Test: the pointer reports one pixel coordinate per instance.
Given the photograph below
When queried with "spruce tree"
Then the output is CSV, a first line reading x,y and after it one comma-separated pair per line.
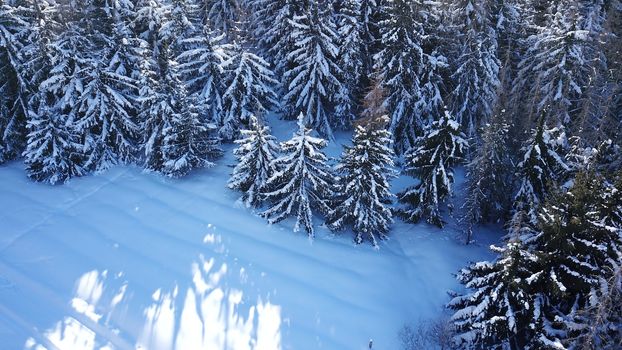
x,y
177,138
363,193
220,15
351,59
107,115
576,251
13,99
273,27
147,23
302,181
256,152
201,65
600,322
410,71
371,13
557,65
189,143
178,23
53,154
496,312
313,77
489,176
476,71
431,160
59,95
249,92
539,168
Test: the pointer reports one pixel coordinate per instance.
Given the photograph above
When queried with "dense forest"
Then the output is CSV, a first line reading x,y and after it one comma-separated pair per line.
x,y
526,94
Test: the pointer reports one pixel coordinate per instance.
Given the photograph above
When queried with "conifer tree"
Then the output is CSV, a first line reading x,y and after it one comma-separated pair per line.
x,y
249,92
362,193
202,67
476,74
371,13
539,168
60,94
576,251
107,116
273,28
42,18
600,323
53,154
431,160
177,138
559,59
496,312
256,152
302,181
147,23
189,143
13,99
410,71
314,76
488,176
178,19
221,15
351,59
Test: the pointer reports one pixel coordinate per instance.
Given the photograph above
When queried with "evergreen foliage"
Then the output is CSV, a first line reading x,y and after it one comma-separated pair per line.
x,y
410,71
539,168
249,92
431,160
363,192
313,77
497,312
256,153
489,176
476,71
302,181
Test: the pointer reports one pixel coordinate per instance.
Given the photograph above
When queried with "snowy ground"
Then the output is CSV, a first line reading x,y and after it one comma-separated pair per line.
x,y
128,260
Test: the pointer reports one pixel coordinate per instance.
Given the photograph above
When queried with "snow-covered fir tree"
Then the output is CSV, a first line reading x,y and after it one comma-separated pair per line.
x,y
178,23
576,252
600,321
313,77
351,59
302,182
476,71
273,27
431,160
13,100
202,67
371,12
540,166
53,154
363,193
177,139
108,119
496,311
220,15
558,62
42,18
249,91
108,101
489,176
351,45
61,92
256,152
410,73
189,142
148,18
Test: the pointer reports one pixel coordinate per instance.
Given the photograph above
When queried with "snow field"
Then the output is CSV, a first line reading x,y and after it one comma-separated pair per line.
x,y
130,260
